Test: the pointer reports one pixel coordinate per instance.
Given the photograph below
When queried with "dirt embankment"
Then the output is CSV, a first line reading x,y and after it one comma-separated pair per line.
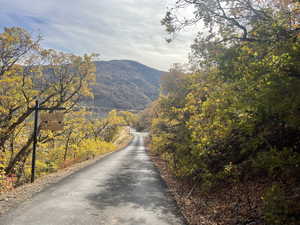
x,y
238,204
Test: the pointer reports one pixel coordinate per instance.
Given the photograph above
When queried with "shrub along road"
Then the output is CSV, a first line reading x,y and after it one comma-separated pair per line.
x,y
122,188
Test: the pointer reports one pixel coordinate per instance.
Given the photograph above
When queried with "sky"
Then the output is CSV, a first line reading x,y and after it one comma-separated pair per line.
x,y
115,29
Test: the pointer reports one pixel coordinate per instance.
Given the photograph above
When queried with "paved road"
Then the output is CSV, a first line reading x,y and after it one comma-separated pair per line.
x,y
122,188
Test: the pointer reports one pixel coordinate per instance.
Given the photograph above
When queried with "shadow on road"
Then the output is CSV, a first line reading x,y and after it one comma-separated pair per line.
x,y
137,186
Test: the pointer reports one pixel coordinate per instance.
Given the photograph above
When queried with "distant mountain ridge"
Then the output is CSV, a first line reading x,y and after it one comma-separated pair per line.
x,y
125,85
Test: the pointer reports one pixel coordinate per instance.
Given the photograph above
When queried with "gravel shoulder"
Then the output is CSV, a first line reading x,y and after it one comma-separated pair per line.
x,y
13,198
123,188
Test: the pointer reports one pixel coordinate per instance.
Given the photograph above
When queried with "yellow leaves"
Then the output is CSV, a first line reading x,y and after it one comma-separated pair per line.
x,y
86,91
205,89
228,168
15,40
92,148
7,38
76,143
10,81
115,119
29,72
10,95
249,50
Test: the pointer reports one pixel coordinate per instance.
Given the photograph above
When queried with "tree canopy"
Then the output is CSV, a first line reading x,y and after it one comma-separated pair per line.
x,y
28,73
235,119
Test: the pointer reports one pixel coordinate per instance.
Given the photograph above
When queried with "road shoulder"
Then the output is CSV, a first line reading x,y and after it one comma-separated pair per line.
x,y
15,197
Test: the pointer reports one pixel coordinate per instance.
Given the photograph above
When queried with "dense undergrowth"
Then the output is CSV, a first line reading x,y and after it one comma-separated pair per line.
x,y
235,121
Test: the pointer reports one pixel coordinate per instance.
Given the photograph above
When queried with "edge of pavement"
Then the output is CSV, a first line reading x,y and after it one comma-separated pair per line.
x,y
12,199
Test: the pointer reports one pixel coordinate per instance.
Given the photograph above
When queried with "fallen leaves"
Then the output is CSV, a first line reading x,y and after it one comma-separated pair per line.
x,y
238,204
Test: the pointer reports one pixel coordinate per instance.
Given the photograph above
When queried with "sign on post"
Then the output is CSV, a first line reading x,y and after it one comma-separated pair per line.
x,y
49,121
52,121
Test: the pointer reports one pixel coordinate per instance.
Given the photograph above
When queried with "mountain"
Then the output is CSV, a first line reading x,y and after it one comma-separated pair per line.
x,y
124,85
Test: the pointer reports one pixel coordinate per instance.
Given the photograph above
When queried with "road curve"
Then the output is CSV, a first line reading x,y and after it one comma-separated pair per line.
x,y
121,188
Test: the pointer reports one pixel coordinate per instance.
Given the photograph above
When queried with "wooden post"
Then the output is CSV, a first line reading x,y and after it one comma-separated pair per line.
x,y
58,126
35,134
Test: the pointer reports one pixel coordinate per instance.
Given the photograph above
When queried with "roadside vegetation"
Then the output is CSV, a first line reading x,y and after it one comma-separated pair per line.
x,y
230,129
29,73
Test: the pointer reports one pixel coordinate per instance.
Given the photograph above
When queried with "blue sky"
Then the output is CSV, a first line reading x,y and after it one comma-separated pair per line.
x,y
116,29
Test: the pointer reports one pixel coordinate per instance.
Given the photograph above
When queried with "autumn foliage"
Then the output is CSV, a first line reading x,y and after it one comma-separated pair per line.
x,y
29,73
234,121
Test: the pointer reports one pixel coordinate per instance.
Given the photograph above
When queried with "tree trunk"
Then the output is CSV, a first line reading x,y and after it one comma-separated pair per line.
x,y
67,146
23,153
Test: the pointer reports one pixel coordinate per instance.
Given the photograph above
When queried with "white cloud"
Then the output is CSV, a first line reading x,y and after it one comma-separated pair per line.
x,y
117,29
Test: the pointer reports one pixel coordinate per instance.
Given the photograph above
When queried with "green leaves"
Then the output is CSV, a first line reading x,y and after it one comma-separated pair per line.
x,y
237,118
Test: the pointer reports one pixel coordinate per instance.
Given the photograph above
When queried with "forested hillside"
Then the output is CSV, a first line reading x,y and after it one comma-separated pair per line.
x,y
230,131
124,84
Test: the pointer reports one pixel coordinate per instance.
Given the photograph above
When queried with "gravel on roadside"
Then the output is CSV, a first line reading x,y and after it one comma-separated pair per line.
x,y
13,198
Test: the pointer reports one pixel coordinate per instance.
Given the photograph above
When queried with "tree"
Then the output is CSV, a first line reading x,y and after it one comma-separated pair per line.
x,y
234,19
224,23
55,79
30,73
15,44
235,119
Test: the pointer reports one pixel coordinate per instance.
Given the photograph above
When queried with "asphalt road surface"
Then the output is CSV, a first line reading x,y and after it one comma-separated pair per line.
x,y
121,188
